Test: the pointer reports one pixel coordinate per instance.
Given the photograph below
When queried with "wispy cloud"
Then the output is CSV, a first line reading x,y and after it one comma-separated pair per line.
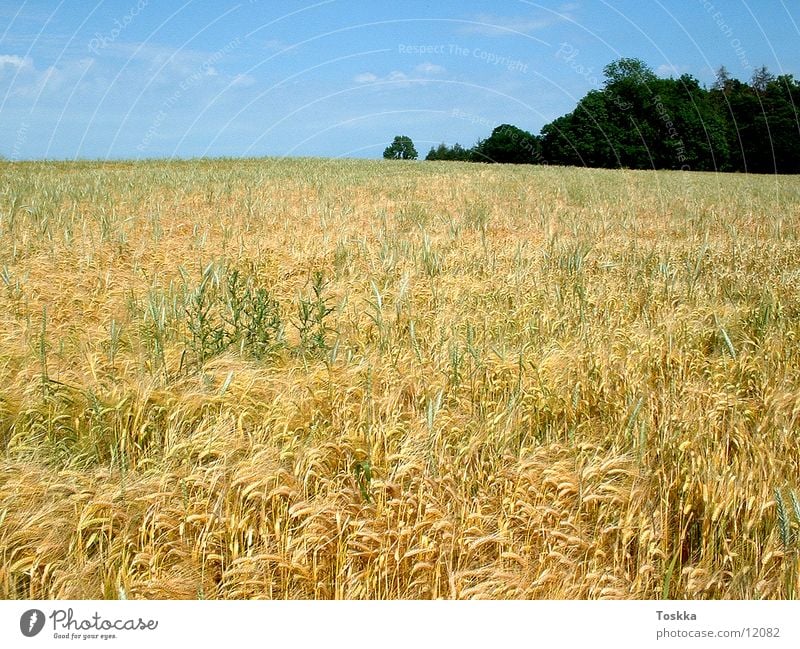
x,y
365,77
393,77
430,68
275,45
14,61
242,81
417,76
155,54
55,81
492,25
159,66
671,70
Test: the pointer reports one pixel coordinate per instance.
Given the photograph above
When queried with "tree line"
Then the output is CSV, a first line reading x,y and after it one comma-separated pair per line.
x,y
640,121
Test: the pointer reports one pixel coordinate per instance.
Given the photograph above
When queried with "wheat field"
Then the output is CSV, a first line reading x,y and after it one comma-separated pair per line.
x,y
360,379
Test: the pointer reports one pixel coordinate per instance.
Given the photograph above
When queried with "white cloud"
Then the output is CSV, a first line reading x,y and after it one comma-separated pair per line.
x,y
488,25
400,79
396,76
243,80
365,77
14,61
274,44
429,68
52,81
670,70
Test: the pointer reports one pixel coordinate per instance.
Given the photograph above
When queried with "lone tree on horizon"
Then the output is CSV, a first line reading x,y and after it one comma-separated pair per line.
x,y
402,148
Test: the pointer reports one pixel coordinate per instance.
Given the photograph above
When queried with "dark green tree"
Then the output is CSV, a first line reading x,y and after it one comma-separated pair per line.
x,y
459,153
609,127
454,153
509,144
775,143
630,98
761,80
628,71
592,135
641,122
762,124
723,80
737,105
402,148
436,152
688,131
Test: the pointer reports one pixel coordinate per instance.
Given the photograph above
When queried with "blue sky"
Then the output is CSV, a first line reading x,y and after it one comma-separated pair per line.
x,y
148,78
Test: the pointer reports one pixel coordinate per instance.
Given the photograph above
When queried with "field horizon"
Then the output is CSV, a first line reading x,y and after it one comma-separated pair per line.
x,y
275,159
319,378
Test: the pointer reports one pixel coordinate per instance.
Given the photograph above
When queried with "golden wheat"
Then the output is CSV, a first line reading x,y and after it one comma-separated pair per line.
x,y
480,382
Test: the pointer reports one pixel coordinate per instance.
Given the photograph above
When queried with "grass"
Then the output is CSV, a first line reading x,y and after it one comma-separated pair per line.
x,y
355,379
